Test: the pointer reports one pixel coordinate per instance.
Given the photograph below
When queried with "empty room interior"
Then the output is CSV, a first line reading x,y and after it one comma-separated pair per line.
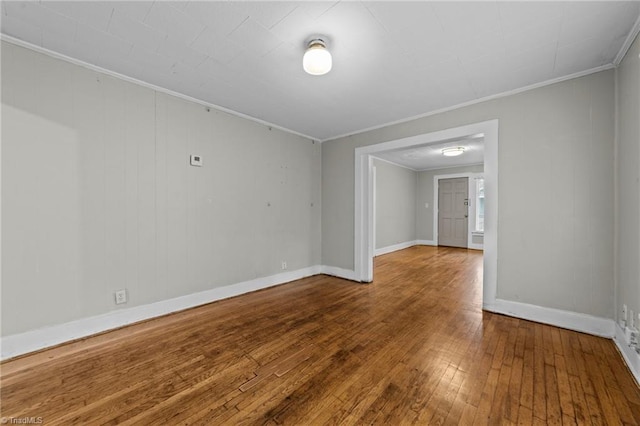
x,y
320,212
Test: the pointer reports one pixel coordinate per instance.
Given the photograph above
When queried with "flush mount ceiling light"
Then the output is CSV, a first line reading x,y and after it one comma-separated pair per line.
x,y
453,151
317,59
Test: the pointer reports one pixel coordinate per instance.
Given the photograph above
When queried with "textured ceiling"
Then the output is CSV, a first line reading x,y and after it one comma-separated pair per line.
x,y
430,157
392,60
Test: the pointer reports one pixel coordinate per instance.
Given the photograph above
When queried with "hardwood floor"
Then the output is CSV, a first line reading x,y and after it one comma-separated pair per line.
x,y
414,347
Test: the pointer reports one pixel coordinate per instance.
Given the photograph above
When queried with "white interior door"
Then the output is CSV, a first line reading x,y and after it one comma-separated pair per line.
x,y
453,213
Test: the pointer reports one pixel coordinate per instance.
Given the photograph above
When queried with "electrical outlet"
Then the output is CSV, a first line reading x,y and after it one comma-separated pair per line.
x,y
121,297
631,336
284,264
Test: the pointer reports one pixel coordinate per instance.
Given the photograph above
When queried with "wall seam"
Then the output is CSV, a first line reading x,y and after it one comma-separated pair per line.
x,y
616,192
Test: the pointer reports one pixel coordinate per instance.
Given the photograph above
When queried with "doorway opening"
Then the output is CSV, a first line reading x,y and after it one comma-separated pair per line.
x,y
364,197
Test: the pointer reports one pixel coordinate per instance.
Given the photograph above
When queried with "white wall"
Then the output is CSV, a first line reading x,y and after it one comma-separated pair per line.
x,y
424,215
628,182
555,224
97,195
395,204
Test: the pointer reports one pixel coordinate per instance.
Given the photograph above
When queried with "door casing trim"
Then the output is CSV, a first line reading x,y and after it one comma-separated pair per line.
x,y
363,208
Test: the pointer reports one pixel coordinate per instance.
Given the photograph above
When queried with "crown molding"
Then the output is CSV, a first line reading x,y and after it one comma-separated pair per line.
x,y
434,169
166,91
92,67
627,42
384,160
476,101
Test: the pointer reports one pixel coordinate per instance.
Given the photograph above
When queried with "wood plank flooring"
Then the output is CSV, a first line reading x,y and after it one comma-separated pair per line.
x,y
414,347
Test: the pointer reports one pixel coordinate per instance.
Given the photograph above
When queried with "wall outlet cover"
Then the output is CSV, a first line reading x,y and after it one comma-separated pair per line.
x,y
631,336
120,296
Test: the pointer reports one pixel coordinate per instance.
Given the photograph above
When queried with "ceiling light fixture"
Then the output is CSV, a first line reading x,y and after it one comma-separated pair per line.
x,y
317,59
453,151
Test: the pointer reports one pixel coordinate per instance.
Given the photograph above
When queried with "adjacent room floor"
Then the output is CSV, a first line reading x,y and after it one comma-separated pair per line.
x,y
413,347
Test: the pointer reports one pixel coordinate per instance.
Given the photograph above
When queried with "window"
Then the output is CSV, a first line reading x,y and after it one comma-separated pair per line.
x,y
479,205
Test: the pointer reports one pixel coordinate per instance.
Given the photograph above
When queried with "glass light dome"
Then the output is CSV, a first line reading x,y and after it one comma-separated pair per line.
x,y
317,59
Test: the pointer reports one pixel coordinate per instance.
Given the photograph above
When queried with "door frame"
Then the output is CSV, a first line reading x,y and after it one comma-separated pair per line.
x,y
471,192
363,208
374,200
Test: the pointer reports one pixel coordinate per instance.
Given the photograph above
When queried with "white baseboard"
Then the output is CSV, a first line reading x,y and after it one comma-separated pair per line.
x,y
433,243
34,340
334,271
631,358
426,243
584,323
402,246
394,247
573,321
